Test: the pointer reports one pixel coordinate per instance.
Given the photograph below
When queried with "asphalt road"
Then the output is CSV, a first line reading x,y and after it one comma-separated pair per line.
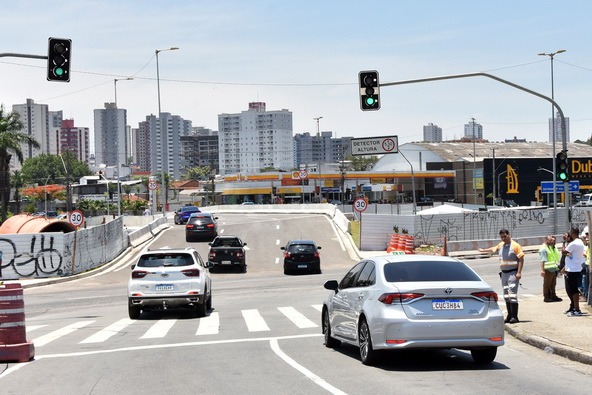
x,y
261,337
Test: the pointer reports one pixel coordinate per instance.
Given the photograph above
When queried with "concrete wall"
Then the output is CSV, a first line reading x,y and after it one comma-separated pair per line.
x,y
63,254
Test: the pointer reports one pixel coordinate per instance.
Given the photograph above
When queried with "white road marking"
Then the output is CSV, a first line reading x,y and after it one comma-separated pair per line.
x,y
209,325
316,379
31,328
221,231
158,330
277,242
319,307
297,318
51,336
277,227
277,261
336,231
254,321
109,331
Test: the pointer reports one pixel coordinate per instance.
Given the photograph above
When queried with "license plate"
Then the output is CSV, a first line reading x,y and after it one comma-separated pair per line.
x,y
226,262
447,304
164,287
302,266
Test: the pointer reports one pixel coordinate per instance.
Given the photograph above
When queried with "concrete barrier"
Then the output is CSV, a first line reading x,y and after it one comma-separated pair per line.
x,y
148,231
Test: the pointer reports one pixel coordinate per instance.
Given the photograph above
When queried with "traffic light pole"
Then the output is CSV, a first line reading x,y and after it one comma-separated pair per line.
x,y
550,100
22,55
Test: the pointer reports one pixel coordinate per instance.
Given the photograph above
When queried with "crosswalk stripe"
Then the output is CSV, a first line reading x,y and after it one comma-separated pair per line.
x,y
319,307
160,329
31,328
297,318
254,321
109,331
209,325
51,336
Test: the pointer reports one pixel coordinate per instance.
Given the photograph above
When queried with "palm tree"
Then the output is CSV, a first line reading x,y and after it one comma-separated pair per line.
x,y
18,183
11,141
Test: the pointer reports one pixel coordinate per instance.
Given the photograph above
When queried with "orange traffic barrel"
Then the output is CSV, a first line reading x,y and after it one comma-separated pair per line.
x,y
13,338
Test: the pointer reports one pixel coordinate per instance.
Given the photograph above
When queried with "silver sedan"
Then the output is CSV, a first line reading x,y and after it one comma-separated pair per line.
x,y
413,301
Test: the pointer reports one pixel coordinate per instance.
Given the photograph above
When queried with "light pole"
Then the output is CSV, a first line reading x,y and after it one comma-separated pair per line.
x,y
474,164
553,135
320,153
68,196
117,147
163,139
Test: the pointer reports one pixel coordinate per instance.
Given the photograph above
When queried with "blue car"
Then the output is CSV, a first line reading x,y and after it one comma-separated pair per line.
x,y
182,215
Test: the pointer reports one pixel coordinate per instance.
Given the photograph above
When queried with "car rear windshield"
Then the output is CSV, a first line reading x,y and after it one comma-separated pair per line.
x,y
226,243
158,260
297,248
200,220
429,271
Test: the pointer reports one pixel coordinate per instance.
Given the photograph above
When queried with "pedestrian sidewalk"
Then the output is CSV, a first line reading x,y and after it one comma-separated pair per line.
x,y
544,325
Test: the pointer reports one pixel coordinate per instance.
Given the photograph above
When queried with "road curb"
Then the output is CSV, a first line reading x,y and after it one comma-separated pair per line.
x,y
550,346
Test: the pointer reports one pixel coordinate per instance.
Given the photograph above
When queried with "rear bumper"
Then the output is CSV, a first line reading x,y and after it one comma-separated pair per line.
x,y
305,266
166,301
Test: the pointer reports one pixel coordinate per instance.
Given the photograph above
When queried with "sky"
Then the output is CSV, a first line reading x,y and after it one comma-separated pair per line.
x,y
305,56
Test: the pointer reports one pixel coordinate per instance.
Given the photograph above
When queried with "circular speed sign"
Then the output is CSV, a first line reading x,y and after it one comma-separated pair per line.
x,y
76,218
360,205
152,185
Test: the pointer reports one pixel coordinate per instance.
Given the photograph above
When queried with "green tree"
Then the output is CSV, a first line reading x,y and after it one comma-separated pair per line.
x,y
17,182
362,163
47,168
198,173
11,142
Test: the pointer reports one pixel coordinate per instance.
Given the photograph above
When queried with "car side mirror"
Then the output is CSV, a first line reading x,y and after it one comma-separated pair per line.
x,y
244,244
332,285
209,265
282,248
318,247
133,266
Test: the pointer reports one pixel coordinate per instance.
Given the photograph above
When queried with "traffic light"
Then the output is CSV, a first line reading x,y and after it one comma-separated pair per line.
x,y
369,90
561,166
58,59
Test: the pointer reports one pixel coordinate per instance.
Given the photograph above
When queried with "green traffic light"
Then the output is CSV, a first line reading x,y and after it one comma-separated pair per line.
x,y
58,71
370,101
563,176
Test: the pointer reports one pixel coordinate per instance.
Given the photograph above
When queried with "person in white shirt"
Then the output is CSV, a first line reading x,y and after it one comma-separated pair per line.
x,y
574,258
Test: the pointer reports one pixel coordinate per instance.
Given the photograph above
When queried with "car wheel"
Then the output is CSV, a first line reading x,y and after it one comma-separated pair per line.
x,y
318,269
367,353
209,302
134,312
329,341
244,268
484,355
188,239
201,309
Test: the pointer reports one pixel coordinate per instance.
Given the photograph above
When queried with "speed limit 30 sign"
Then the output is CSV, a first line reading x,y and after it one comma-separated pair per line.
x,y
76,218
360,205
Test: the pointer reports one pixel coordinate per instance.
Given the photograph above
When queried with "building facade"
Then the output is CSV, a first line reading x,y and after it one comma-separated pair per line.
x,y
35,120
555,131
70,138
432,133
255,139
200,149
473,131
165,142
110,135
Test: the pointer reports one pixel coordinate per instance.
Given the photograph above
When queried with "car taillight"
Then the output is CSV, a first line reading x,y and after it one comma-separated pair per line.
x,y
211,255
397,297
189,226
191,272
239,254
287,255
210,225
317,255
487,296
139,273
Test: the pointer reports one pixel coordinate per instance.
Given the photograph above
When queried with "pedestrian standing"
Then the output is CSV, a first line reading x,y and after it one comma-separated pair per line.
x,y
549,269
574,259
511,263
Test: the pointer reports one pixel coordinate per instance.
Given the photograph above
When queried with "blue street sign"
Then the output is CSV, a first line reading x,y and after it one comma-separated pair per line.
x,y
547,186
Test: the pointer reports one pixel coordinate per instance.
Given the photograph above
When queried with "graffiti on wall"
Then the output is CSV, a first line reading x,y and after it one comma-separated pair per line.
x,y
41,258
476,225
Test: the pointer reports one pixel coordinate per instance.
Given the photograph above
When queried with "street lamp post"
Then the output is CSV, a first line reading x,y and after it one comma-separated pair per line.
x,y
474,164
118,151
68,195
320,153
553,136
164,141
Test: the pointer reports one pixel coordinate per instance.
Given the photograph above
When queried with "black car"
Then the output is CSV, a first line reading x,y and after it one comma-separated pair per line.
x,y
302,255
182,215
201,225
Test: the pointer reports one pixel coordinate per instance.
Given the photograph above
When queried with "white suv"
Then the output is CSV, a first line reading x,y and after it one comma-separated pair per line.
x,y
169,279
